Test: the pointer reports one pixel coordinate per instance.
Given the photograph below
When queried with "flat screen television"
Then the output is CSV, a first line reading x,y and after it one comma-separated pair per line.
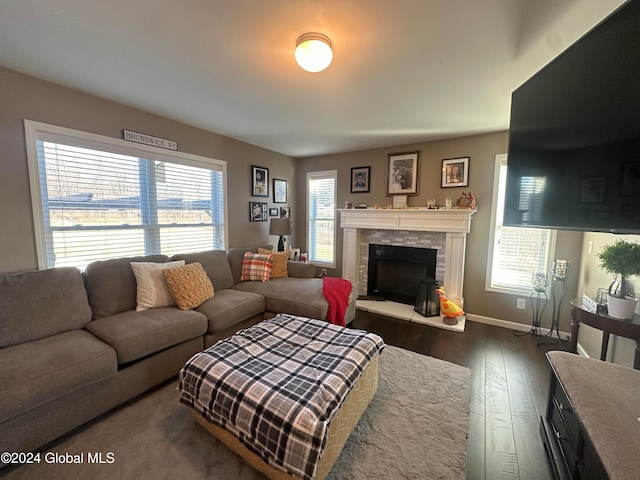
x,y
574,139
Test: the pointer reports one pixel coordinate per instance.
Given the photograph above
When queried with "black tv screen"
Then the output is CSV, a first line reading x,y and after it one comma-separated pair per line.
x,y
574,139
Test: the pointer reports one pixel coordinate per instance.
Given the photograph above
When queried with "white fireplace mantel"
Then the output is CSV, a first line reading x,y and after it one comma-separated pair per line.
x,y
455,223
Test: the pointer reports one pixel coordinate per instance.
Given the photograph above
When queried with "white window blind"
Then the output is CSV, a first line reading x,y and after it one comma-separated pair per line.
x,y
516,253
100,203
321,208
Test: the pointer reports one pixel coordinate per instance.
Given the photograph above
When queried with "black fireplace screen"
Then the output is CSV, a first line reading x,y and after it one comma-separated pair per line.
x,y
395,272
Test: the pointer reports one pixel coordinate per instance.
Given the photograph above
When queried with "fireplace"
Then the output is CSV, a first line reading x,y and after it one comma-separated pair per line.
x,y
395,272
454,224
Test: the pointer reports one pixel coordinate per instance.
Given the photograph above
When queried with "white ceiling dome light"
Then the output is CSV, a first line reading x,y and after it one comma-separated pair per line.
x,y
313,52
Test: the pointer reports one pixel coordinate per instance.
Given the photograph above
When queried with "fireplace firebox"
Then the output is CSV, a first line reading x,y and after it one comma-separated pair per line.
x,y
395,272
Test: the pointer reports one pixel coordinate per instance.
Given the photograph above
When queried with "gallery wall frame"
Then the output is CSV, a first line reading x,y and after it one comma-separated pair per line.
x,y
279,190
259,181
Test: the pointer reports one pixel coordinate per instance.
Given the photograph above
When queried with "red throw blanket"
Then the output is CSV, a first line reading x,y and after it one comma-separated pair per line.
x,y
336,291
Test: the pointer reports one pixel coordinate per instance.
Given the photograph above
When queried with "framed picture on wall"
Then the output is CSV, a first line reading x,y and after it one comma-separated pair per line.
x,y
259,181
455,172
360,177
285,212
255,212
402,173
274,212
279,191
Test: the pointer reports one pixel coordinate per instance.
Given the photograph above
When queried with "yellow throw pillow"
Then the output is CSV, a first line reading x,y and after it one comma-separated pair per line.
x,y
190,285
280,259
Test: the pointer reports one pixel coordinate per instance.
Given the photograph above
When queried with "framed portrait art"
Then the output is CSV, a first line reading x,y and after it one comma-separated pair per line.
x,y
259,181
274,212
285,212
455,172
403,174
360,177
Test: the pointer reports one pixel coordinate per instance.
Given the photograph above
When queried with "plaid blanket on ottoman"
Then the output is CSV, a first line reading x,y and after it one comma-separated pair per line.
x,y
278,385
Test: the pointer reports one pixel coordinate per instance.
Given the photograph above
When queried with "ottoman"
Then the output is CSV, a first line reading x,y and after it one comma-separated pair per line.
x,y
284,394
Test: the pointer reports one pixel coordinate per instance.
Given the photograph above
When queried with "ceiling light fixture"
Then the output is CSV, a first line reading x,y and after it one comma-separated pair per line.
x,y
313,52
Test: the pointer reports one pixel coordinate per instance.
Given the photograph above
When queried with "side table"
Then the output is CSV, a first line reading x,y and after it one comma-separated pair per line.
x,y
580,313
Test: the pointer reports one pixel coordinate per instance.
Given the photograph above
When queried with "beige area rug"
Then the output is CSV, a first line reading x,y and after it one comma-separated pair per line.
x,y
415,428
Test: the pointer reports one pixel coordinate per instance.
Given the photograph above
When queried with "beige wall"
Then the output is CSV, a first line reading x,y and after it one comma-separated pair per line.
x,y
482,150
25,97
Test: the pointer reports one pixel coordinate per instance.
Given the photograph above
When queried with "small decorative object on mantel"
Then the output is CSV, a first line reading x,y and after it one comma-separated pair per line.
x,y
431,203
400,201
621,258
466,200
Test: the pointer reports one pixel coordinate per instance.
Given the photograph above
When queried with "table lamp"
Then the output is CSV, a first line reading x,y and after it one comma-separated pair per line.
x,y
280,227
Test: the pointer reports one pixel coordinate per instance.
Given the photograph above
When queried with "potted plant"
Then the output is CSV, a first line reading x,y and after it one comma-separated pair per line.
x,y
621,258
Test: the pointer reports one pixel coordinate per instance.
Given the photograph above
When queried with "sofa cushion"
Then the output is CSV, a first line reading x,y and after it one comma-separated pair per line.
x,y
111,284
152,290
189,285
301,269
230,307
137,334
235,256
215,263
297,296
256,267
280,260
38,304
37,372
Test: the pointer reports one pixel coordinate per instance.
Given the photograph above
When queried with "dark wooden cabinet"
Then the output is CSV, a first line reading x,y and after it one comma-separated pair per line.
x,y
567,444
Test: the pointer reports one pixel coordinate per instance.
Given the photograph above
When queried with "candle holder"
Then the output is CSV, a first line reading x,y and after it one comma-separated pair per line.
x,y
559,272
539,300
560,269
540,282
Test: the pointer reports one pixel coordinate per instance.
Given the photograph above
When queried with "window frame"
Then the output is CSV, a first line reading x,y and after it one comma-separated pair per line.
x,y
37,131
318,175
501,159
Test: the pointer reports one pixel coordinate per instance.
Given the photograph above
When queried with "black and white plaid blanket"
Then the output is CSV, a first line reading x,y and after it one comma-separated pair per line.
x,y
278,385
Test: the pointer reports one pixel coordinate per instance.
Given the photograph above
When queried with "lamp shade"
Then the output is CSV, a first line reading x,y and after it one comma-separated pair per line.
x,y
280,226
313,52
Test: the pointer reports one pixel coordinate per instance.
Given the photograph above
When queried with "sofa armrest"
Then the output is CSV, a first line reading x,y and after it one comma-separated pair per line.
x,y
301,269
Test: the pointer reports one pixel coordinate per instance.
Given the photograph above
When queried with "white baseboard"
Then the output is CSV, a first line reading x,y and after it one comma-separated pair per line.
x,y
511,325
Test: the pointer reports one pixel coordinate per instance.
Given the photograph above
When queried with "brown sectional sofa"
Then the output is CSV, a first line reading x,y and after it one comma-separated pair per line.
x,y
72,345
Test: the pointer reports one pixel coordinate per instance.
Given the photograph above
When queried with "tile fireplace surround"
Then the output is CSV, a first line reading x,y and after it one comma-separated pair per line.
x,y
444,230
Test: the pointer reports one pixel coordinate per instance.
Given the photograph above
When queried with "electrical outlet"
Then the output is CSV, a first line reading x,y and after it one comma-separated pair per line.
x,y
521,303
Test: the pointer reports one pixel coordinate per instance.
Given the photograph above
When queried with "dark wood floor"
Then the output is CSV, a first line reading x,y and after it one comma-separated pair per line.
x,y
509,393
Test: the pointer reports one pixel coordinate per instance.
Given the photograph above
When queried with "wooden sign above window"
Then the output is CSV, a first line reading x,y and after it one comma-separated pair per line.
x,y
149,140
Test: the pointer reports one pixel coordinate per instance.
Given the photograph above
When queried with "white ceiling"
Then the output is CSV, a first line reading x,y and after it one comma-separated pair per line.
x,y
404,71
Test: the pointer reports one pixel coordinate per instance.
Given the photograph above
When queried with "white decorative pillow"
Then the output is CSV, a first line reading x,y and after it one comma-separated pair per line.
x,y
152,289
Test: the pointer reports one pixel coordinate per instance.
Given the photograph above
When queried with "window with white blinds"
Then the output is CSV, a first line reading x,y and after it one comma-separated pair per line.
x,y
97,198
321,216
516,253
